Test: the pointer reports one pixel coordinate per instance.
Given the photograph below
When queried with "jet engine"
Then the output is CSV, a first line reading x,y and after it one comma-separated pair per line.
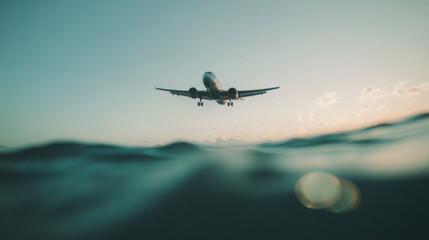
x,y
232,93
193,93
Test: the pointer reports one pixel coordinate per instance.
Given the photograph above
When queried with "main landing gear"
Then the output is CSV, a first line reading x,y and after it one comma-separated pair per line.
x,y
200,103
230,104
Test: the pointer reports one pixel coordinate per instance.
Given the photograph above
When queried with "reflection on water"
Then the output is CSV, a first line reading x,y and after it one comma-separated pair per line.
x,y
71,190
324,190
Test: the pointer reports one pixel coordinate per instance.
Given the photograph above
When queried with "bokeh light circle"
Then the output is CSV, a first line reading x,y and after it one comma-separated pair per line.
x,y
318,190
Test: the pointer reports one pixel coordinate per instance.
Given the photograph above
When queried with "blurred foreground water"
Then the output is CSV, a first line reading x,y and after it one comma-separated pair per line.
x,y
371,183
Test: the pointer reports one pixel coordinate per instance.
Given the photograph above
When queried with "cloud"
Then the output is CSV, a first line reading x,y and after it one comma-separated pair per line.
x,y
314,118
402,89
370,109
372,93
327,99
227,141
299,118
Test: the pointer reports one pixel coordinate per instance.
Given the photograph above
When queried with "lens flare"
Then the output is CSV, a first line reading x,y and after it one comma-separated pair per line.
x,y
319,190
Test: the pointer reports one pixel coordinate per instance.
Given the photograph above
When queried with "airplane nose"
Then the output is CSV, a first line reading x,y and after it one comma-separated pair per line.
x,y
208,74
207,78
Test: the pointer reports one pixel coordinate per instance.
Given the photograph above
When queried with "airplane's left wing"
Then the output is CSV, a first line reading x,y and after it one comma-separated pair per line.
x,y
199,93
248,93
251,93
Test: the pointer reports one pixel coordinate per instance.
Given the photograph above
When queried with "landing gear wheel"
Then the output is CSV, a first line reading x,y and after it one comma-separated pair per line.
x,y
229,104
202,104
232,104
199,104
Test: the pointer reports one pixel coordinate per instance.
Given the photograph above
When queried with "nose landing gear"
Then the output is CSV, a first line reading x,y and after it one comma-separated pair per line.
x,y
200,103
230,104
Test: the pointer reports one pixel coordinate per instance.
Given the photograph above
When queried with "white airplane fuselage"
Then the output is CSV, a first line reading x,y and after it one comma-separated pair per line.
x,y
212,85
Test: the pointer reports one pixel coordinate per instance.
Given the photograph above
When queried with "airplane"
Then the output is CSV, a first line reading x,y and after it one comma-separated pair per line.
x,y
214,91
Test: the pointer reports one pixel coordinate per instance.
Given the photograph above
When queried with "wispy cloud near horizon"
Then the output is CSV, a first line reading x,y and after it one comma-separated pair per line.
x,y
402,89
372,93
327,99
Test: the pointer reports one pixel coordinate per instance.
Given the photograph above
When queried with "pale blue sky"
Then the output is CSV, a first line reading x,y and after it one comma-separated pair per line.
x,y
85,70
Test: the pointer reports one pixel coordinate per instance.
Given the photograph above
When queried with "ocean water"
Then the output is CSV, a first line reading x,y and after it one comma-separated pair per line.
x,y
370,183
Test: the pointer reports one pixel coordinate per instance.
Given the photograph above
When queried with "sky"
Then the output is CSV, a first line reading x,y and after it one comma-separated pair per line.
x,y
86,70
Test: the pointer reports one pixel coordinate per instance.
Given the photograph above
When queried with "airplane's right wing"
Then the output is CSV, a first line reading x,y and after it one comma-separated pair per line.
x,y
186,93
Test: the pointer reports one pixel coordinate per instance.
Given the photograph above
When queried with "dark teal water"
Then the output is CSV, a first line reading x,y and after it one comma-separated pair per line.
x,y
371,183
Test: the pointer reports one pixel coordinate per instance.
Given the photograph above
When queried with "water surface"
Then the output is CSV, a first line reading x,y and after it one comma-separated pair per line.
x,y
370,183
